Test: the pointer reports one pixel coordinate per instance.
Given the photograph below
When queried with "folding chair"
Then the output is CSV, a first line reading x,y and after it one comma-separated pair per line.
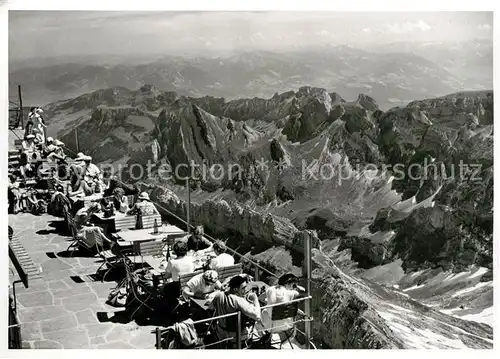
x,y
280,312
111,258
76,242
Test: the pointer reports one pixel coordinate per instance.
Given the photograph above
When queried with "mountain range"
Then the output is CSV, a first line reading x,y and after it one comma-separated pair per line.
x,y
392,74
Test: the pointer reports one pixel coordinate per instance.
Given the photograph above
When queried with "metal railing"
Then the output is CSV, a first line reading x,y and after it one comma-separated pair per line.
x,y
159,332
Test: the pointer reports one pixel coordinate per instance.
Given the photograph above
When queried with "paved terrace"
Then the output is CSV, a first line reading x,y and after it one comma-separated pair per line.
x,y
56,312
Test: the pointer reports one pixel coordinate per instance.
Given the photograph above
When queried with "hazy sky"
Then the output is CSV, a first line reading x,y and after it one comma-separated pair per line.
x,y
59,33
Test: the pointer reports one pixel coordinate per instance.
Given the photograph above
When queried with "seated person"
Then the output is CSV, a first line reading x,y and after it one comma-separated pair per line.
x,y
92,177
108,207
201,285
14,196
285,291
59,203
93,236
235,299
25,168
84,214
53,152
222,259
120,201
144,205
59,148
35,205
75,181
28,145
182,264
196,242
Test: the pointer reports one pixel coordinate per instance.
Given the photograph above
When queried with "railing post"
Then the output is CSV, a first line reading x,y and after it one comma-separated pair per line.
x,y
256,273
158,338
76,140
238,332
307,304
188,217
21,115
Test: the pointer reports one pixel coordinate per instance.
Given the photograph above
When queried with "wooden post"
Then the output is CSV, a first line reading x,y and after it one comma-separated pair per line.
x,y
21,117
256,273
307,304
76,140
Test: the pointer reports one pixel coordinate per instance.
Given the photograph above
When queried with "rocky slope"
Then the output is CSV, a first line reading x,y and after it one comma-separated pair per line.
x,y
377,187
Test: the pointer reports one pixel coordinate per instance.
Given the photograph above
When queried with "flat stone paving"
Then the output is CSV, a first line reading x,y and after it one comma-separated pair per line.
x,y
55,311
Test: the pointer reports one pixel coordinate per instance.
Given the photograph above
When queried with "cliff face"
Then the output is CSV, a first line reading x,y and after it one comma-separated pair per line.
x,y
308,160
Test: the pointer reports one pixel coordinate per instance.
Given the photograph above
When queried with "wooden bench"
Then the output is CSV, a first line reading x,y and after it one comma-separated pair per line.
x,y
128,222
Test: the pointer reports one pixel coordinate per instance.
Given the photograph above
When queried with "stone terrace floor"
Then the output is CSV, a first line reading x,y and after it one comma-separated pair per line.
x,y
55,311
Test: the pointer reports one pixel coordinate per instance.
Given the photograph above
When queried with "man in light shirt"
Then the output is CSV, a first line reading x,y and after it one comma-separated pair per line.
x,y
222,259
201,285
182,264
285,291
237,298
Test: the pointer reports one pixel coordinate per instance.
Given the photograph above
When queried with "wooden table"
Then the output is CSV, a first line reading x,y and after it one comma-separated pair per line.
x,y
203,303
146,234
100,216
87,200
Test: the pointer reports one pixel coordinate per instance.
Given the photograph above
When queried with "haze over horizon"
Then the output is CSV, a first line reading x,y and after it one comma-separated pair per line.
x,y
75,33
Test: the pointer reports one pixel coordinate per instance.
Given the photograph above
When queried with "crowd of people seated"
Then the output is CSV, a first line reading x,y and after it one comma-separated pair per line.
x,y
83,178
24,192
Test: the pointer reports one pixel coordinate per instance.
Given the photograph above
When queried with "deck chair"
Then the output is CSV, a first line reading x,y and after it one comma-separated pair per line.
x,y
281,312
76,243
111,258
229,272
151,248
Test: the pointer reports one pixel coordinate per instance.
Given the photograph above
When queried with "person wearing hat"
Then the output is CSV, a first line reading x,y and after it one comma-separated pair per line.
x,y
59,151
28,144
144,205
285,291
236,299
120,201
39,125
50,150
92,177
222,259
202,285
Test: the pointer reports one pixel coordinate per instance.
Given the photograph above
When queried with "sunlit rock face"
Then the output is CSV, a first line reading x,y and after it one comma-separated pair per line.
x,y
392,252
